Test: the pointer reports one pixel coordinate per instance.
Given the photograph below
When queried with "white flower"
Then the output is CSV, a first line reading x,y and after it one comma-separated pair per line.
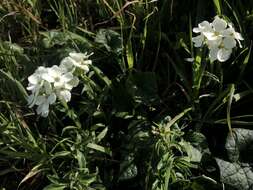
x,y
43,103
57,76
64,95
219,36
36,84
35,80
48,84
76,60
56,82
203,27
230,32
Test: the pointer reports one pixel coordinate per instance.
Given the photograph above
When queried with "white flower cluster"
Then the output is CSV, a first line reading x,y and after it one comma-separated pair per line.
x,y
219,36
49,83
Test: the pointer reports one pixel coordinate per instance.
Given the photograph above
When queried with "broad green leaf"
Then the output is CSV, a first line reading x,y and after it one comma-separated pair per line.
x,y
197,140
232,148
239,145
237,175
193,153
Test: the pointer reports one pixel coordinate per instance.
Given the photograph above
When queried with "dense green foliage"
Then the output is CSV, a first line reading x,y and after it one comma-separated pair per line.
x,y
144,117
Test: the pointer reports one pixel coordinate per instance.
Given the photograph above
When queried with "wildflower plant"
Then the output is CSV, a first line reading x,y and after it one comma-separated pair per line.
x,y
219,36
47,84
145,119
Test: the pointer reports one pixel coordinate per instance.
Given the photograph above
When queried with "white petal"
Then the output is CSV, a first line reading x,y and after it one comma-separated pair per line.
x,y
40,100
47,77
31,87
189,59
51,99
205,25
43,109
213,53
224,54
228,32
214,43
67,63
229,42
41,70
45,113
238,36
71,84
59,84
210,35
78,56
219,24
87,62
34,79
30,100
85,68
55,71
196,30
67,77
47,87
198,40
65,95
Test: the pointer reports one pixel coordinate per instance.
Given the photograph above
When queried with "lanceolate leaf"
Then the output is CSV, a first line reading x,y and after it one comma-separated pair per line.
x,y
55,187
35,170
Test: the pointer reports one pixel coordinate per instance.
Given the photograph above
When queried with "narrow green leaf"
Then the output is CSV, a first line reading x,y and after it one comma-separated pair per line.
x,y
99,148
217,5
129,54
102,134
35,170
231,94
81,159
245,62
55,187
61,154
176,118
